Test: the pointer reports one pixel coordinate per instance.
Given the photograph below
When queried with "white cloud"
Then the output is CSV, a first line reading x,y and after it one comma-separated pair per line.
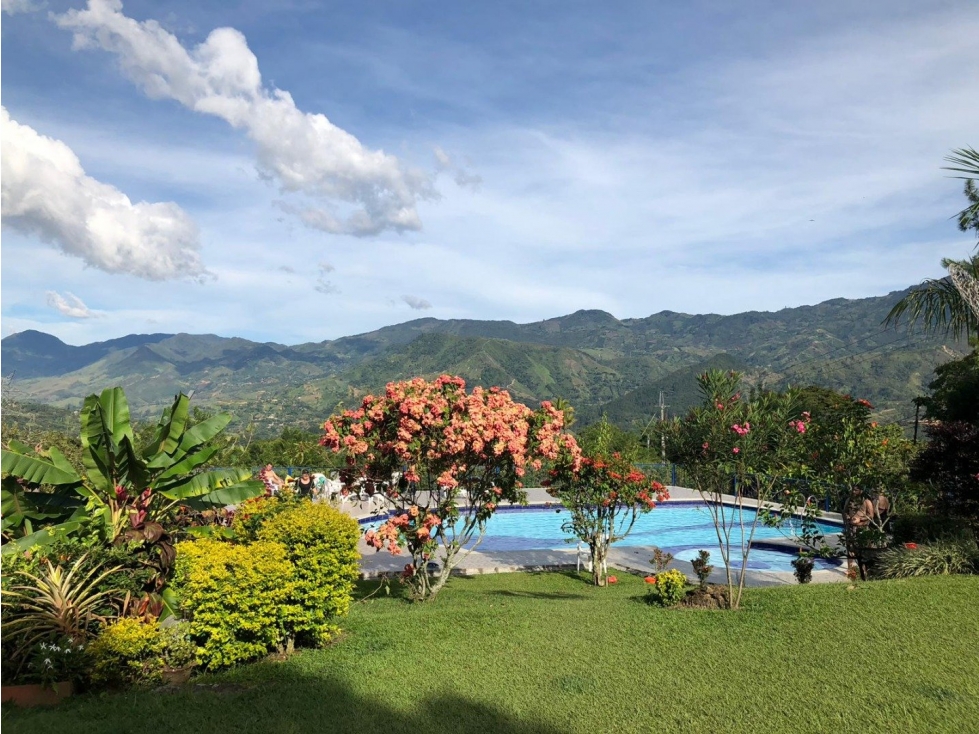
x,y
326,267
19,6
70,305
45,192
356,190
416,303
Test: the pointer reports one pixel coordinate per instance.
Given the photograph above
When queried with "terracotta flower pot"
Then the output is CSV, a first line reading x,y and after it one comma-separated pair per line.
x,y
177,676
34,694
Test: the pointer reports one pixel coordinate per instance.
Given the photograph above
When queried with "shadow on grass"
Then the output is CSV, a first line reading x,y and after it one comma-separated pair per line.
x,y
266,698
538,594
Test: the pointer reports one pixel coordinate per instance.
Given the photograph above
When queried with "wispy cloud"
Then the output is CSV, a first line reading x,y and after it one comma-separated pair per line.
x,y
70,305
323,285
416,303
46,193
461,174
12,7
304,153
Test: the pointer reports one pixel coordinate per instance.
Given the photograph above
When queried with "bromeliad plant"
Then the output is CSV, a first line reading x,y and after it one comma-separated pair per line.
x,y
445,459
741,448
604,495
124,491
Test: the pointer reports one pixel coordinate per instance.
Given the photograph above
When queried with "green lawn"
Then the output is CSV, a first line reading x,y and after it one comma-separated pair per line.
x,y
547,653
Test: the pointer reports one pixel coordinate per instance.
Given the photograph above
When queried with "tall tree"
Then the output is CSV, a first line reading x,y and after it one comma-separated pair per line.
x,y
937,304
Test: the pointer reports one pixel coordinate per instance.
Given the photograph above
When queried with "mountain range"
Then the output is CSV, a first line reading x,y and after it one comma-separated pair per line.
x,y
599,363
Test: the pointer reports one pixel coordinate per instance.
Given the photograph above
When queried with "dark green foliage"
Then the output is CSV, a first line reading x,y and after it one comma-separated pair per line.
x,y
950,465
929,528
955,391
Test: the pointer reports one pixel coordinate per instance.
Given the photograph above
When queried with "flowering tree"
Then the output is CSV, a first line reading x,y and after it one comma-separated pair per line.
x,y
739,448
605,495
852,461
446,460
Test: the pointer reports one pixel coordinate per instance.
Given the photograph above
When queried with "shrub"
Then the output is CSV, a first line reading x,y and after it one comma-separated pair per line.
x,y
252,514
239,599
929,528
321,542
803,569
129,652
936,559
669,588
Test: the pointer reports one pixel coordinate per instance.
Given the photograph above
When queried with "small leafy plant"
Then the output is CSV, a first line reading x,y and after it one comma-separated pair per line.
x,y
55,662
803,566
661,560
702,567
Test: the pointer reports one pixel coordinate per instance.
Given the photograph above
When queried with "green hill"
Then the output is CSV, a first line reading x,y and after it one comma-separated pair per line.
x,y
590,358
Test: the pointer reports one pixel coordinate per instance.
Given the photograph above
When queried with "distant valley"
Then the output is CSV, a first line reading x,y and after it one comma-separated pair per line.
x,y
598,363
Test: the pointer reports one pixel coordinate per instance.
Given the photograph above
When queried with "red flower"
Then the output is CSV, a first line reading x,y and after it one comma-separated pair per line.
x,y
613,580
650,579
911,546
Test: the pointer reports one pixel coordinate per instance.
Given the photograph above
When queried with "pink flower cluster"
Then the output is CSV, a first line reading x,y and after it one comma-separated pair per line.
x,y
742,430
422,425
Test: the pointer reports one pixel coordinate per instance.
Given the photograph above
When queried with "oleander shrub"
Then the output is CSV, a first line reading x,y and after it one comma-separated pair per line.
x,y
669,588
941,558
321,542
128,652
240,600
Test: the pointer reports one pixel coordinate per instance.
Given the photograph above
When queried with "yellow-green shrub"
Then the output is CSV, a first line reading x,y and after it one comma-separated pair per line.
x,y
128,652
322,544
252,513
240,599
669,587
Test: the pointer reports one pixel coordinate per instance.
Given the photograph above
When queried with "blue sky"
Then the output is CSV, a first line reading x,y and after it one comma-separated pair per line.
x,y
301,171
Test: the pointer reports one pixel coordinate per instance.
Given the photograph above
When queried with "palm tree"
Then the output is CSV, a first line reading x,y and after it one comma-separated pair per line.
x,y
936,304
966,161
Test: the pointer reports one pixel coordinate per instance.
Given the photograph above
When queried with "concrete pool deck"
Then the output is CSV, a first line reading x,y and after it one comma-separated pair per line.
x,y
630,559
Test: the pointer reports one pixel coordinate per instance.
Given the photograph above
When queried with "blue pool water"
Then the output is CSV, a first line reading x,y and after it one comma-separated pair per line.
x,y
682,529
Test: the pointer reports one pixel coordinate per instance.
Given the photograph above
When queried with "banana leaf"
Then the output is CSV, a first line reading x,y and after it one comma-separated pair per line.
x,y
36,471
196,485
232,495
45,536
169,430
188,463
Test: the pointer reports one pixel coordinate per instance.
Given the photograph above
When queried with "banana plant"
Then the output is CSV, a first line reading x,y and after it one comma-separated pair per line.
x,y
123,491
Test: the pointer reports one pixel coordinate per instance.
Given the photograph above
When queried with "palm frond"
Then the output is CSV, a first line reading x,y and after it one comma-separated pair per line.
x,y
936,305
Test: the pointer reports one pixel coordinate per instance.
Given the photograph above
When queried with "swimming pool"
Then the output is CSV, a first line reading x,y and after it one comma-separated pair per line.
x,y
681,528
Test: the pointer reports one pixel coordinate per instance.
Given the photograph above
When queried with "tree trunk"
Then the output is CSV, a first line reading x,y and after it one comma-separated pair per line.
x,y
599,552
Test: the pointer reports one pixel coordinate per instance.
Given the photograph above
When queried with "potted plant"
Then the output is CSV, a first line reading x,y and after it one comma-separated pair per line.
x,y
179,655
50,675
803,566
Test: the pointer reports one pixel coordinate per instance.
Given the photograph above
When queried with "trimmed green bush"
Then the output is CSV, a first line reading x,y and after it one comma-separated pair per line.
x,y
128,652
936,559
239,599
321,542
251,515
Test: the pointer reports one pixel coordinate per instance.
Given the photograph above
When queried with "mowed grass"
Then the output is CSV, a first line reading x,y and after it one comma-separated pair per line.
x,y
548,653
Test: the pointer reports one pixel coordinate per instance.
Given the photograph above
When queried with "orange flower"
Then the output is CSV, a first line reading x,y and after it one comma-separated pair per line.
x,y
650,579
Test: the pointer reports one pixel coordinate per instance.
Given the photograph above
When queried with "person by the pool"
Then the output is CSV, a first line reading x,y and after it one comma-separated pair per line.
x,y
871,510
304,485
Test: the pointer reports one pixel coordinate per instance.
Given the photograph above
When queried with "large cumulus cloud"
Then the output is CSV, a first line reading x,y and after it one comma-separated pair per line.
x,y
46,193
349,189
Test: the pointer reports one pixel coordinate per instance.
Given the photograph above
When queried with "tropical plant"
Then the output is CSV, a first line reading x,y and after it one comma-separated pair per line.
x,y
124,492
55,605
803,566
955,391
445,459
966,161
934,559
604,494
938,305
128,652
